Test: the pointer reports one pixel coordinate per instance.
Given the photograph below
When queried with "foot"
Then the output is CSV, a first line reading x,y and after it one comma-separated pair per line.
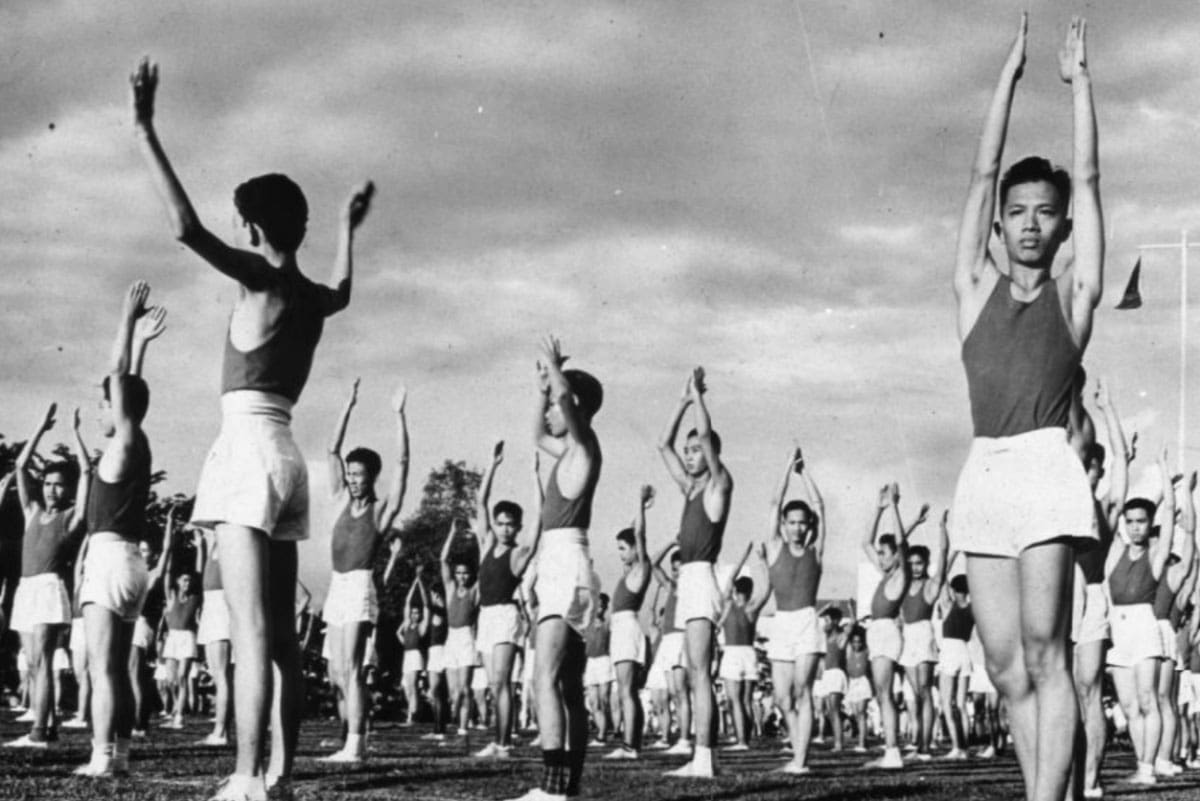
x,y
538,794
487,752
241,788
920,756
280,789
987,753
342,757
792,769
171,724
891,760
27,741
433,735
1144,775
28,717
736,747
683,747
214,740
659,745
1165,767
691,771
138,734
1093,793
860,749
954,755
329,742
75,723
596,743
96,769
624,752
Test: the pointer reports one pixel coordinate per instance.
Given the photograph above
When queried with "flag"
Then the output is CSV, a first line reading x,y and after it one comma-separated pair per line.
x,y
1132,299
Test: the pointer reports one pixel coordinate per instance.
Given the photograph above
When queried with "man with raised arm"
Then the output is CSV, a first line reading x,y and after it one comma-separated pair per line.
x,y
254,486
1022,497
54,529
114,573
919,654
794,551
739,660
707,488
567,401
502,563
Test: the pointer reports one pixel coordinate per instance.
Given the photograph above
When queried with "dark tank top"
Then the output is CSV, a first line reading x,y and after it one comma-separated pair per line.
x,y
699,537
958,623
915,607
835,655
881,605
156,601
560,512
668,617
795,579
1164,598
411,638
739,628
460,612
281,364
496,580
857,662
596,639
1020,362
49,545
212,574
120,507
625,599
1089,553
355,540
437,625
1132,582
181,615
1175,616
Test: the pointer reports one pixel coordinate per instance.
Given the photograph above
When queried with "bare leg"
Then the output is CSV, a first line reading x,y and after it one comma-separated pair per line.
x,y
801,724
217,653
1169,712
79,666
882,673
681,694
500,678
630,706
736,693
1089,677
288,697
833,708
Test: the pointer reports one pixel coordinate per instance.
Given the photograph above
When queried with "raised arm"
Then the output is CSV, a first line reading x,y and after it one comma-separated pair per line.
x,y
29,504
578,430
395,496
1087,271
645,501
1118,471
337,468
83,488
353,213
933,587
483,509
523,554
762,589
727,590
712,457
975,272
541,437
149,326
444,562
134,303
872,534
795,464
1160,552
661,575
1179,573
818,505
666,442
919,520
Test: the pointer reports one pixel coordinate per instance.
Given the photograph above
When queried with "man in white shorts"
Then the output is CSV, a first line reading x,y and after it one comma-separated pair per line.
x,y
707,488
739,660
833,674
213,635
954,665
668,671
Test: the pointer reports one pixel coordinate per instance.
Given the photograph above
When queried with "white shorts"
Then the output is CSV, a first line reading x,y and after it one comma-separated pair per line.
x,y
78,642
214,618
858,689
627,641
699,597
954,658
1089,621
738,663
795,633
1184,689
435,661
498,624
255,476
413,662
670,653
61,660
460,648
529,661
565,584
819,689
1170,642
180,644
22,662
834,680
351,599
1046,494
884,640
479,679
599,670
919,645
114,576
981,682
143,635
40,600
1195,683
1135,635
161,673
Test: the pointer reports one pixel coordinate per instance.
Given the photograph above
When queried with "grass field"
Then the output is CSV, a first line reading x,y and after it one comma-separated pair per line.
x,y
169,766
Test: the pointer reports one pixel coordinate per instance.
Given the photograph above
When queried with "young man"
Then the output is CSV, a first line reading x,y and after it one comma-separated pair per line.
x,y
707,488
411,633
794,551
919,654
1022,495
114,573
54,529
889,553
213,634
567,401
462,612
254,487
1166,616
954,664
351,605
598,676
739,660
668,671
627,643
833,674
858,687
179,623
502,564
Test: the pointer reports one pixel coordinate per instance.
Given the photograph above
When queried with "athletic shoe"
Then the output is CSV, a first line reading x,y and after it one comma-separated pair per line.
x,y
1093,793
658,745
538,794
623,752
462,732
692,771
987,753
28,717
681,747
954,755
792,769
75,723
487,751
27,741
891,760
433,735
342,757
171,724
138,734
860,749
920,756
1165,767
736,747
213,740
240,788
536,742
596,743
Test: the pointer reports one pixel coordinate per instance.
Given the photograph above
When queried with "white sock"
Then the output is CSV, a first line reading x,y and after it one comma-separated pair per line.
x,y
354,743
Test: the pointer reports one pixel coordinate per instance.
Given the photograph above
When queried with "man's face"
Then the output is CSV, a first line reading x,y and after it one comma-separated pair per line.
x,y
1033,223
917,566
887,556
506,527
358,480
462,575
54,490
1137,525
556,424
185,583
625,552
693,457
795,526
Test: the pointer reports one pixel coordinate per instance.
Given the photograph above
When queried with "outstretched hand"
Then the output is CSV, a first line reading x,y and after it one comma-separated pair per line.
x,y
151,323
498,452
135,299
552,352
1072,58
399,398
144,81
1015,65
48,420
75,422
923,514
647,496
354,392
798,460
885,496
358,204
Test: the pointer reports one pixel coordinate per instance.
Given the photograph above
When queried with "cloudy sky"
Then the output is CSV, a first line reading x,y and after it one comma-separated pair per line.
x,y
770,190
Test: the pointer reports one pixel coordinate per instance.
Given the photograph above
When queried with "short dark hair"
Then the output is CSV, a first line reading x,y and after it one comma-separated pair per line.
x,y
604,599
888,540
1094,452
1145,504
276,205
509,508
587,389
833,613
743,585
959,583
627,536
1035,169
919,551
68,470
368,459
135,391
713,435
793,505
676,556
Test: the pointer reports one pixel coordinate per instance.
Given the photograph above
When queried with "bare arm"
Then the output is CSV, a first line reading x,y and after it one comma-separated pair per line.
x,y
795,464
661,575
134,303
645,501
353,213
578,430
29,505
1161,551
541,437
149,326
666,442
523,554
872,533
395,497
712,457
763,589
337,468
933,588
444,562
818,505
483,510
975,272
1118,473
83,489
1180,572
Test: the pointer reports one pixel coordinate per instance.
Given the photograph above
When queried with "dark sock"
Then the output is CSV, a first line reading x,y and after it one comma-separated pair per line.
x,y
554,771
574,760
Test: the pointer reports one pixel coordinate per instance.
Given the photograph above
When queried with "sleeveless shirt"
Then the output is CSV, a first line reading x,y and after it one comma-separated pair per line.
x,y
596,639
625,599
49,546
699,537
181,615
881,605
1020,362
739,628
437,625
915,607
355,540
281,364
120,507
1164,598
958,623
668,618
1132,581
411,638
560,512
795,578
460,612
211,579
496,580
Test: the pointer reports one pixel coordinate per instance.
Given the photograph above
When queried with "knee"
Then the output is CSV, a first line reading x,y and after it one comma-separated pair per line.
x,y
1044,659
1147,703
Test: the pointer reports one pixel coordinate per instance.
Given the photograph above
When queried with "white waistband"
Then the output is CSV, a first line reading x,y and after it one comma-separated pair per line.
x,y
253,403
565,536
1038,436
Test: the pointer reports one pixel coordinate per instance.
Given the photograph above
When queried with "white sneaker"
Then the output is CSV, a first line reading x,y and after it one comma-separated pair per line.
x,y
659,745
622,752
1165,767
487,751
241,788
28,717
1144,775
342,757
213,740
26,741
792,769
954,755
75,723
681,747
891,760
987,753
736,747
538,794
1091,793
692,770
